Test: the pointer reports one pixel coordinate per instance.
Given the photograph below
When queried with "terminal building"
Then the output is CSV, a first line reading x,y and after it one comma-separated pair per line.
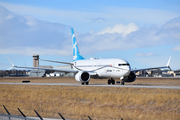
x,y
156,73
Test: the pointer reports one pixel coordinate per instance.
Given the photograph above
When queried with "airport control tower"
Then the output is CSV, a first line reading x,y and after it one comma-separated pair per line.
x,y
35,60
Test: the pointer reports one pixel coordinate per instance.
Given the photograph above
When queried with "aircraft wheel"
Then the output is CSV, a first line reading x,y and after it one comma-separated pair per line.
x,y
113,81
87,83
82,83
122,83
109,82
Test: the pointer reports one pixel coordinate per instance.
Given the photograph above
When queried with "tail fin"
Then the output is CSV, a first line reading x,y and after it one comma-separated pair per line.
x,y
76,54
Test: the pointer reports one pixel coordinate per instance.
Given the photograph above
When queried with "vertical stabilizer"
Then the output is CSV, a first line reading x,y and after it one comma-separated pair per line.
x,y
76,53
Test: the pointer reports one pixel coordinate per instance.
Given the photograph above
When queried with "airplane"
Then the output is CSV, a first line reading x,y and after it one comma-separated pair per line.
x,y
84,69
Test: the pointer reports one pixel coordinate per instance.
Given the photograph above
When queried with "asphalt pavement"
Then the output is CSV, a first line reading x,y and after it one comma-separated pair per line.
x,y
98,85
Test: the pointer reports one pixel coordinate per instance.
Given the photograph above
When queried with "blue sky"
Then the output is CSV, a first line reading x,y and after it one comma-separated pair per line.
x,y
145,33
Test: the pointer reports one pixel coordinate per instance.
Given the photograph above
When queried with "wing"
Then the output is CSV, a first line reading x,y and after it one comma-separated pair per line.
x,y
57,62
136,70
49,69
167,66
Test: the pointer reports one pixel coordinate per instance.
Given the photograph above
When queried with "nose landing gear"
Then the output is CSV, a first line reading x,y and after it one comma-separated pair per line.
x,y
122,83
85,83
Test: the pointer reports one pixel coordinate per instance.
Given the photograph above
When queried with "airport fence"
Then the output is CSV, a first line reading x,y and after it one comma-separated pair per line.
x,y
22,116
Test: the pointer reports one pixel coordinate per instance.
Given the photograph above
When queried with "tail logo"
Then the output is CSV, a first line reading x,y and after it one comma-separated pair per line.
x,y
76,54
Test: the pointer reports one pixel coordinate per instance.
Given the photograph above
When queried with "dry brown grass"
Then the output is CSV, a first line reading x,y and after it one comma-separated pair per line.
x,y
97,102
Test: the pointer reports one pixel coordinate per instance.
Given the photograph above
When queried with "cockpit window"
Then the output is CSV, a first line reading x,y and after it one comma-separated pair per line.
x,y
125,64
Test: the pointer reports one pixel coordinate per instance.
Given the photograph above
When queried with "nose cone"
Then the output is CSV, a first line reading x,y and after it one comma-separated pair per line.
x,y
128,68
125,66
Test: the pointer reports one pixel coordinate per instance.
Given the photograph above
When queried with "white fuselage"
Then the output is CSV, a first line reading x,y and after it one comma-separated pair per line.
x,y
104,68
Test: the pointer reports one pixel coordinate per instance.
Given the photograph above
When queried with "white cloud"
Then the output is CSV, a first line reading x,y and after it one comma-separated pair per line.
x,y
139,54
29,51
140,15
27,35
112,38
121,29
9,16
101,16
30,20
176,48
98,20
173,23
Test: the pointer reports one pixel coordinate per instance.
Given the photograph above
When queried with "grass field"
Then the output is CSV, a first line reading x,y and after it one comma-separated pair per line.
x,y
96,102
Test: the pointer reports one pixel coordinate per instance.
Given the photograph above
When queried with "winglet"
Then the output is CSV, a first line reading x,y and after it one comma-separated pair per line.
x,y
11,63
168,63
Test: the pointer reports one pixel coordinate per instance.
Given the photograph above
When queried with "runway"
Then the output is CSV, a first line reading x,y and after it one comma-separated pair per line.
x,y
98,85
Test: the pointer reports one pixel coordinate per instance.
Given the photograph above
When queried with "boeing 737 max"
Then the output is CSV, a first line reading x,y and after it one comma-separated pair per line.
x,y
97,68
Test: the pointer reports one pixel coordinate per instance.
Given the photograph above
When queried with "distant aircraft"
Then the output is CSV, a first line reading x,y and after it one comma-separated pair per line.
x,y
97,68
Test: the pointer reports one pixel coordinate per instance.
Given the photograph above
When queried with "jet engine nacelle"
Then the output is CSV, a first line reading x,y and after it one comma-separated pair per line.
x,y
82,76
130,78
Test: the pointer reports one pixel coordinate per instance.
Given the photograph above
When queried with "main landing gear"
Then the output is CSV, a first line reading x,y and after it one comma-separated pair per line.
x,y
86,83
111,81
